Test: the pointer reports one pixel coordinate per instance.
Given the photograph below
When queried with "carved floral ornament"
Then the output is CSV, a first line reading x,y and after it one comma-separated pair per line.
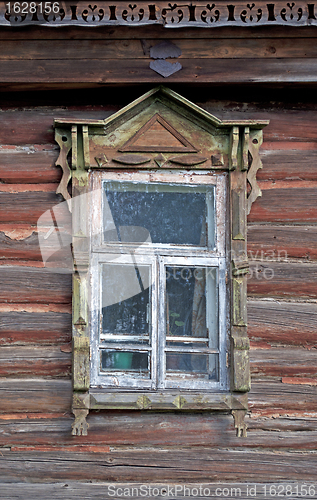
x,y
198,14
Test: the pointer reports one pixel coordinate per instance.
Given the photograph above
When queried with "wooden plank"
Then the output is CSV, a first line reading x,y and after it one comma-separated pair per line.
x,y
275,398
27,207
282,323
196,464
285,205
31,166
283,165
35,362
28,127
39,396
26,328
206,48
282,279
27,248
51,434
77,490
229,71
23,285
282,242
284,362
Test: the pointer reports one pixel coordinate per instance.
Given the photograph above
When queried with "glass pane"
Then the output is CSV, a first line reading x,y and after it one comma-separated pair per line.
x,y
192,306
124,361
157,213
126,302
200,365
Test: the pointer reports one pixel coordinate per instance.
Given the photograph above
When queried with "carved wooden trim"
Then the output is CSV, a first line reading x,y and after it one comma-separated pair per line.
x,y
171,15
238,153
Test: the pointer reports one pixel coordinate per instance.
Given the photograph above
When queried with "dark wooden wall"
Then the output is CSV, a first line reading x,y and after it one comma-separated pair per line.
x,y
49,73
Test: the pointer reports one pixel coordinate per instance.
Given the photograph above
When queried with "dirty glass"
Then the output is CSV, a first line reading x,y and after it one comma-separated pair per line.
x,y
198,365
126,302
111,360
159,214
192,306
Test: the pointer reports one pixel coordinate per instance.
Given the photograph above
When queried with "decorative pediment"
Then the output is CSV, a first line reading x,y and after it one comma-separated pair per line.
x,y
159,136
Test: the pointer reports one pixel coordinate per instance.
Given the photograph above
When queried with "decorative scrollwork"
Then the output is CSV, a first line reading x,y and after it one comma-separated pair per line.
x,y
199,13
251,15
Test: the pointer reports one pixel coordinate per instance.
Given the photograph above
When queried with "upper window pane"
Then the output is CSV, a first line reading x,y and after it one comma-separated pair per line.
x,y
158,213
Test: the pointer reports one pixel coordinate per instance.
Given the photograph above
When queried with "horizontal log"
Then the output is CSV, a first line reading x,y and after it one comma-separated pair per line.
x,y
278,242
27,127
284,362
20,284
39,396
285,205
152,429
29,167
26,249
137,71
282,323
283,165
207,48
196,464
35,362
28,207
25,328
100,491
282,279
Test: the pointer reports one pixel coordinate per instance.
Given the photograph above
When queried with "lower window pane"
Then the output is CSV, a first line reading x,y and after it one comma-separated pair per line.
x,y
198,365
125,361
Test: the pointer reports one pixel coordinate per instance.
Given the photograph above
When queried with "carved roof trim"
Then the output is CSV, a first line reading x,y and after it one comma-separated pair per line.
x,y
169,95
171,15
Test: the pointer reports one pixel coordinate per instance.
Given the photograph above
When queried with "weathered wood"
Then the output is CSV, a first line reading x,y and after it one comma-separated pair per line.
x,y
100,491
282,279
284,362
128,71
35,362
293,164
34,285
285,205
32,166
24,328
23,395
196,464
282,323
207,48
25,249
282,242
50,434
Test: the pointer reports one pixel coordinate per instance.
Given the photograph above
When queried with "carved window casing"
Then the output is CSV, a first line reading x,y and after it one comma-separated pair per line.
x,y
159,205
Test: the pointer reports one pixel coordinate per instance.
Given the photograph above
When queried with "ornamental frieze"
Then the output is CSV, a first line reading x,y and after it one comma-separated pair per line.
x,y
170,15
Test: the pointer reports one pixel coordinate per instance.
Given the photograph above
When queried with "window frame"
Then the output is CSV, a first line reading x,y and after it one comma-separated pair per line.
x,y
162,253
228,146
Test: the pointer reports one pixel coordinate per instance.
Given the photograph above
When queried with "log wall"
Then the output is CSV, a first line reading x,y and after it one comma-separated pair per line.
x,y
35,306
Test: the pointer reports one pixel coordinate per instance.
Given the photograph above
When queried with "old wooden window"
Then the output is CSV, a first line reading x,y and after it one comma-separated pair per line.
x,y
159,204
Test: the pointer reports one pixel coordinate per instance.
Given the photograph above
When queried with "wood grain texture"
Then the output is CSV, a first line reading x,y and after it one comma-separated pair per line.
x,y
282,242
21,284
25,328
282,279
138,71
26,249
284,362
46,433
35,362
193,463
29,167
282,323
285,205
206,48
283,164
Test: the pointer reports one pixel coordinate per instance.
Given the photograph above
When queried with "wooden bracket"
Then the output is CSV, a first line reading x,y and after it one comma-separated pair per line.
x,y
255,141
80,426
64,140
239,422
